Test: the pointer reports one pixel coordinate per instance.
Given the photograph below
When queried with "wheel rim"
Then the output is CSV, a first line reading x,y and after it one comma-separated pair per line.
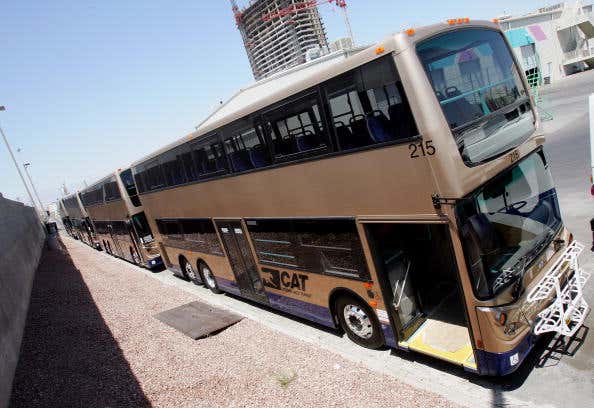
x,y
208,277
358,321
190,271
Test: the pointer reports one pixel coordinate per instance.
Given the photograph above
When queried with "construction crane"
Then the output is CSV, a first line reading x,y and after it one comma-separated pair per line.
x,y
306,5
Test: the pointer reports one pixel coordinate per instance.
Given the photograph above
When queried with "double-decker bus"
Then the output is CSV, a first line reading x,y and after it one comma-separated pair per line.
x,y
76,219
120,228
401,194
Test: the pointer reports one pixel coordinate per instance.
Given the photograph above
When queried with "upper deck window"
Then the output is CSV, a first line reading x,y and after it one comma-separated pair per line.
x,y
111,190
130,186
368,106
474,76
296,129
246,148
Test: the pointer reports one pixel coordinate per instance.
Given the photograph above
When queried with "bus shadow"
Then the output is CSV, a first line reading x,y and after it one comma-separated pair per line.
x,y
69,356
336,332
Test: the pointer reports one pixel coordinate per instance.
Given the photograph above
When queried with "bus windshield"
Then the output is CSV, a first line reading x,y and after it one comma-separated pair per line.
x,y
142,227
507,223
474,76
130,186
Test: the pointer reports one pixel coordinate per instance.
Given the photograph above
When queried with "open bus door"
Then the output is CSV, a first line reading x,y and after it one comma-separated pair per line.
x,y
418,276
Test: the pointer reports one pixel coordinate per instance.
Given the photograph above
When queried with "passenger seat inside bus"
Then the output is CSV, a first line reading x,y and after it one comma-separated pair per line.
x,y
402,121
259,156
306,140
379,127
241,160
344,135
361,136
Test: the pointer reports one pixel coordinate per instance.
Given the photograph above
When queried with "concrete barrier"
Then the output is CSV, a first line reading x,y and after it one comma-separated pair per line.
x,y
21,242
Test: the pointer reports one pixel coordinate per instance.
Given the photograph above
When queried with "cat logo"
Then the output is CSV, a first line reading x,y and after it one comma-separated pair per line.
x,y
284,280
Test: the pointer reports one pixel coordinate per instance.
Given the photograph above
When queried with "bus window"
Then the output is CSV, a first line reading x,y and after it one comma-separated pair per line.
x,y
130,186
201,234
368,106
112,192
170,229
209,159
93,195
247,149
506,223
478,86
329,247
142,228
296,129
173,166
149,176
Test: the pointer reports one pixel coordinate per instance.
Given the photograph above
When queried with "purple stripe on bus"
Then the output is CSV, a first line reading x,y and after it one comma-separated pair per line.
x,y
498,364
389,335
309,311
537,32
228,286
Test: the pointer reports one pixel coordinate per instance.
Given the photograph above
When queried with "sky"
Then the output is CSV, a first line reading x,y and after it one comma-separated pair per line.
x,y
89,87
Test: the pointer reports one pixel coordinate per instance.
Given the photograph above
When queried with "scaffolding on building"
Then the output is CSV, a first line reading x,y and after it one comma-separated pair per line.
x,y
278,33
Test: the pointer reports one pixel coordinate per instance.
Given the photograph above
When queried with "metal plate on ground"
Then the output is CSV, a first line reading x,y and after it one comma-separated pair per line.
x,y
197,319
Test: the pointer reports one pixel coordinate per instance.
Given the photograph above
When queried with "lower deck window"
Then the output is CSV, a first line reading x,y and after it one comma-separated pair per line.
x,y
194,234
329,247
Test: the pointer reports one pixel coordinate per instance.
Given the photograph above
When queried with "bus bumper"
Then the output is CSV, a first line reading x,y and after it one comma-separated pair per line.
x,y
499,364
155,262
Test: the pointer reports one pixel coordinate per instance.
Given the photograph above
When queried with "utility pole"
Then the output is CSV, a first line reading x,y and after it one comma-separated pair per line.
x,y
26,167
2,108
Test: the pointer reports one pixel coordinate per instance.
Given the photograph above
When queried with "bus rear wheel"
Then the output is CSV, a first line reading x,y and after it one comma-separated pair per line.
x,y
359,322
209,279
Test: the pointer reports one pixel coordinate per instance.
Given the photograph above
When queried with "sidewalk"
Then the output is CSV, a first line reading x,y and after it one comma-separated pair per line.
x,y
91,340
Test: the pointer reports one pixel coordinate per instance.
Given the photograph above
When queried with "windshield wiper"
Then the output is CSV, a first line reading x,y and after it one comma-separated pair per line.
x,y
517,271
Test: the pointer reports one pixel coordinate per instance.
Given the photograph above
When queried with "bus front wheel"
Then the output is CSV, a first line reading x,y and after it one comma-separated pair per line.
x,y
190,273
359,322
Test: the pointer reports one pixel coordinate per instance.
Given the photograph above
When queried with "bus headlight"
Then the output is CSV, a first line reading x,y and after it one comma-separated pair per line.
x,y
509,318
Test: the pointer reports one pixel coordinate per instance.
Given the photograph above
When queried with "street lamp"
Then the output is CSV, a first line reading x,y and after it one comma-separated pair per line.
x,y
2,108
26,167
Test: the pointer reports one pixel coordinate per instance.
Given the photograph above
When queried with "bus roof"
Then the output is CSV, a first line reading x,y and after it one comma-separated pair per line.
x,y
284,84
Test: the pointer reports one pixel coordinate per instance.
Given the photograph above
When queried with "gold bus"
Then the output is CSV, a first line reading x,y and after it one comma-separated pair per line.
x,y
401,194
120,226
76,220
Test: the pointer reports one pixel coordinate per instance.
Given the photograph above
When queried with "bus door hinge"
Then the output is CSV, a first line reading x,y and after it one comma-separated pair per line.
x,y
438,201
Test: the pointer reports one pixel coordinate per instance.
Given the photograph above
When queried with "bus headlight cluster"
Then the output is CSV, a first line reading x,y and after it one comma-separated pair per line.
x,y
510,318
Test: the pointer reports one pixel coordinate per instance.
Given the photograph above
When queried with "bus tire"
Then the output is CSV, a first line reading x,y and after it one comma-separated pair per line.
x,y
359,322
189,272
208,277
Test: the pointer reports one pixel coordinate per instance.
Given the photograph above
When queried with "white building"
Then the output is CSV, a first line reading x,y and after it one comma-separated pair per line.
x,y
553,41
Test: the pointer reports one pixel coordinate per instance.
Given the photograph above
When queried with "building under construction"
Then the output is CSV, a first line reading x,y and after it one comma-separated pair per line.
x,y
278,33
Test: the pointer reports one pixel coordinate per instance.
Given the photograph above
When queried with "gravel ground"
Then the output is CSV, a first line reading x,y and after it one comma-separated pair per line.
x,y
91,340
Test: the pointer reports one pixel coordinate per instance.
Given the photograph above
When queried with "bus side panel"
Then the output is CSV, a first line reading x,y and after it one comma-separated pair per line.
x,y
219,265
307,294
